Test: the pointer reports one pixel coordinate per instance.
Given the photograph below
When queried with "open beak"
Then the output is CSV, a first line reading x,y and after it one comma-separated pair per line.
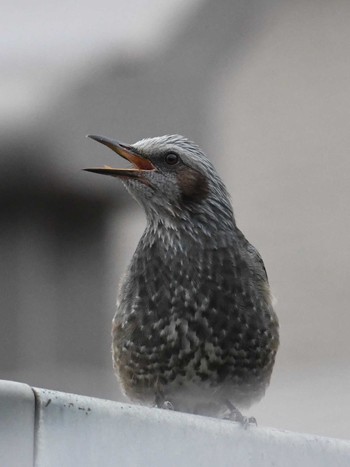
x,y
140,164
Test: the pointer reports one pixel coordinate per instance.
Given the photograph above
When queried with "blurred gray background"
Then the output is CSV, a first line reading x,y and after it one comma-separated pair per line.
x,y
263,86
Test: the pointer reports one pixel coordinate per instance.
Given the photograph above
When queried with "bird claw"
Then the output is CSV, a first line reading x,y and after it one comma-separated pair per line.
x,y
161,403
236,416
167,405
248,421
245,422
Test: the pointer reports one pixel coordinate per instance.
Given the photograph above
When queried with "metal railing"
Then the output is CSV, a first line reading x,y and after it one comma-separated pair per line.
x,y
45,428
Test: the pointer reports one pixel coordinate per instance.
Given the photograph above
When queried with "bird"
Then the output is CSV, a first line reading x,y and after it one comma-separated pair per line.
x,y
195,329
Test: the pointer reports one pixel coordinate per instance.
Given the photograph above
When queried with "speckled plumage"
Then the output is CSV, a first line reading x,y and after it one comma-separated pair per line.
x,y
194,323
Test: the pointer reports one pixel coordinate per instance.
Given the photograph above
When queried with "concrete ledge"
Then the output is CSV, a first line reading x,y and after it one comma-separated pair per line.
x,y
73,430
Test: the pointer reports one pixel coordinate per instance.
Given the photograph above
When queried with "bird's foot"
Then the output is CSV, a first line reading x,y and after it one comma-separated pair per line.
x,y
236,416
241,419
167,405
161,403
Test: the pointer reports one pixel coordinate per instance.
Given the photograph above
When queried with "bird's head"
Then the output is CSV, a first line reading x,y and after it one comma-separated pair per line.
x,y
170,177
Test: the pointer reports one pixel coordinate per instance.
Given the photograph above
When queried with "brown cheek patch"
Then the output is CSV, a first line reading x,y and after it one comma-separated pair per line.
x,y
193,185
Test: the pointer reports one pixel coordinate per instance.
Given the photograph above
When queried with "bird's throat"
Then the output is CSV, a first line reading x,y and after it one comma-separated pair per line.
x,y
189,238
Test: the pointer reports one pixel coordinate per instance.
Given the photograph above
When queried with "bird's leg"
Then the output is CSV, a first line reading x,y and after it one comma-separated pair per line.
x,y
161,403
235,415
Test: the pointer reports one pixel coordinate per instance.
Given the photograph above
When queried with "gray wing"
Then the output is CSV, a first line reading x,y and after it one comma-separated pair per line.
x,y
253,253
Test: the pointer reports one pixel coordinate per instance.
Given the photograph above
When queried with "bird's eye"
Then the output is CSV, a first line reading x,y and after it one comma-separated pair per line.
x,y
171,158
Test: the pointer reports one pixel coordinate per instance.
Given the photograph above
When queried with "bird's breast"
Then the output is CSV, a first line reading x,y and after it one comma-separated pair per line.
x,y
198,317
